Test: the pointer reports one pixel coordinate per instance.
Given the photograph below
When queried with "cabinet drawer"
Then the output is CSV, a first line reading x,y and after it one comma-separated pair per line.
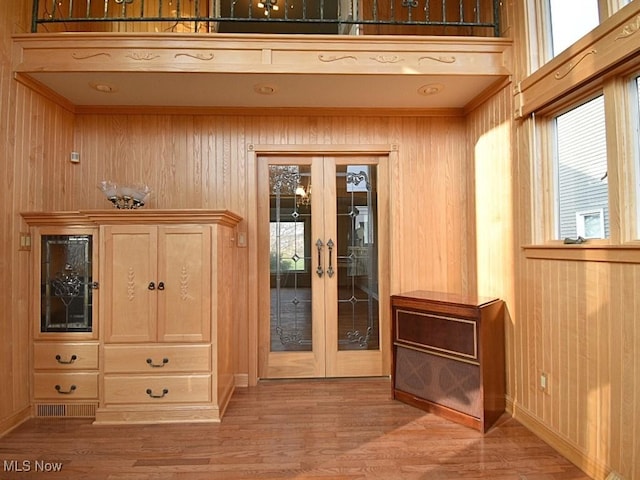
x,y
65,356
439,334
150,389
158,359
65,386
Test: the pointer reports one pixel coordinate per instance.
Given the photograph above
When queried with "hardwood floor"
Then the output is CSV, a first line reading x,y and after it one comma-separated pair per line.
x,y
321,429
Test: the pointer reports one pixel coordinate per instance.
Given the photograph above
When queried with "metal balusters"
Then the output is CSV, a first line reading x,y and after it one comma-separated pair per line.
x,y
319,15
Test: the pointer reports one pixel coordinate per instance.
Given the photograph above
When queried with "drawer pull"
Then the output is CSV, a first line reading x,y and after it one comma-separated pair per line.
x,y
150,393
72,389
157,365
72,359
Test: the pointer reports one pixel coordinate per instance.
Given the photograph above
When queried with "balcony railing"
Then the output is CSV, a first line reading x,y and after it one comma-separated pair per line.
x,y
354,17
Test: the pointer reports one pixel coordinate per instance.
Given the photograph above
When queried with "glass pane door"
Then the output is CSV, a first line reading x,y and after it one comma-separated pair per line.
x,y
292,342
352,296
66,283
319,218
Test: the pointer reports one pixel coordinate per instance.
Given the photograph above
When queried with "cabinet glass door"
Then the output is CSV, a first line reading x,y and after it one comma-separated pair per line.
x,y
66,283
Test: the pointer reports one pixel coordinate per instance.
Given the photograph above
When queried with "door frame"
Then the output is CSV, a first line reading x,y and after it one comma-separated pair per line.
x,y
390,165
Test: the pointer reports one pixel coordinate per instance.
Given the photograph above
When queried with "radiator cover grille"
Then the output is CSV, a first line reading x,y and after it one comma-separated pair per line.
x,y
82,410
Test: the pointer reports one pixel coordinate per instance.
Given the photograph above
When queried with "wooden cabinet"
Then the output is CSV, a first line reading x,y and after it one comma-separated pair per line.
x,y
157,282
449,355
167,353
158,346
64,353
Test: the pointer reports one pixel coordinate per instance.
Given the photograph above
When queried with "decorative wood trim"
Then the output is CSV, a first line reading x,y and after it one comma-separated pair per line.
x,y
254,53
629,253
322,149
139,217
594,56
275,111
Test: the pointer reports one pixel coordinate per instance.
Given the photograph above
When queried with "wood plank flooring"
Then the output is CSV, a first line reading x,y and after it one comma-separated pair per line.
x,y
320,429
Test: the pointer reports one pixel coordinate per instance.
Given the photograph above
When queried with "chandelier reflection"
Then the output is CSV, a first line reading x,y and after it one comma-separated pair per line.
x,y
269,6
303,196
287,180
125,196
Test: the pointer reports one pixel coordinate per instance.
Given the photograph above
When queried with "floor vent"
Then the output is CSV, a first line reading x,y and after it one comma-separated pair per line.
x,y
66,410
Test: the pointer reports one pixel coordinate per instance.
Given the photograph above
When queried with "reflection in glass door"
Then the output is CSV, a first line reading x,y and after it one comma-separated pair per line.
x,y
323,302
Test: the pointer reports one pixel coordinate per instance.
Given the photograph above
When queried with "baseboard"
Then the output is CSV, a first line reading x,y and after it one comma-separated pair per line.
x,y
14,420
241,379
595,469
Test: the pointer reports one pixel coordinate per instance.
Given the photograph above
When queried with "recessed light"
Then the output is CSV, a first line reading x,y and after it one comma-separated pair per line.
x,y
264,89
430,89
103,87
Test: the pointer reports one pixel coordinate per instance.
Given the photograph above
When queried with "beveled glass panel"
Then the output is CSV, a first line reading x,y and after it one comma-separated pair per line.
x,y
290,258
66,283
357,257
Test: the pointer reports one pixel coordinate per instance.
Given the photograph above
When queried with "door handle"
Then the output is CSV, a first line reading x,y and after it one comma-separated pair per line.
x,y
330,246
319,270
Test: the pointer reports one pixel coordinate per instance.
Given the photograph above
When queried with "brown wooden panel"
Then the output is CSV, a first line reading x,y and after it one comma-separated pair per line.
x,y
443,335
440,380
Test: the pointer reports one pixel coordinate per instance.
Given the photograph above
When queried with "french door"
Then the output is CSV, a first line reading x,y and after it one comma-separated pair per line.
x,y
321,257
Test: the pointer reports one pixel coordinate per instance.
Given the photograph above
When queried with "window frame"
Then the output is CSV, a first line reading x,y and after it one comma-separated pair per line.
x,y
545,94
622,104
541,30
556,233
546,163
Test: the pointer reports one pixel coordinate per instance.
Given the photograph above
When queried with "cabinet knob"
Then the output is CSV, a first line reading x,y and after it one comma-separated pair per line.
x,y
161,286
152,286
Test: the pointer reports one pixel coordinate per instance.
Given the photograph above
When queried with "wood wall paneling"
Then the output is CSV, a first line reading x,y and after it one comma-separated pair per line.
x,y
20,115
574,320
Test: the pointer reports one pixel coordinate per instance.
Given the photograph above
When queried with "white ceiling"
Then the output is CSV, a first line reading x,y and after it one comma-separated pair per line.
x,y
184,89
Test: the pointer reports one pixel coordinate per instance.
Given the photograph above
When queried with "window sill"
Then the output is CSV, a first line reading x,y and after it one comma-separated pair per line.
x,y
627,253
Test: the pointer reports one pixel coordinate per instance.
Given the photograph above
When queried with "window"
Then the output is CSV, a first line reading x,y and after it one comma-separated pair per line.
x,y
590,224
571,20
581,172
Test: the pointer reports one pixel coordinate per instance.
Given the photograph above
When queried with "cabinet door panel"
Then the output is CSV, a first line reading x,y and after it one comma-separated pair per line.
x,y
130,267
184,259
